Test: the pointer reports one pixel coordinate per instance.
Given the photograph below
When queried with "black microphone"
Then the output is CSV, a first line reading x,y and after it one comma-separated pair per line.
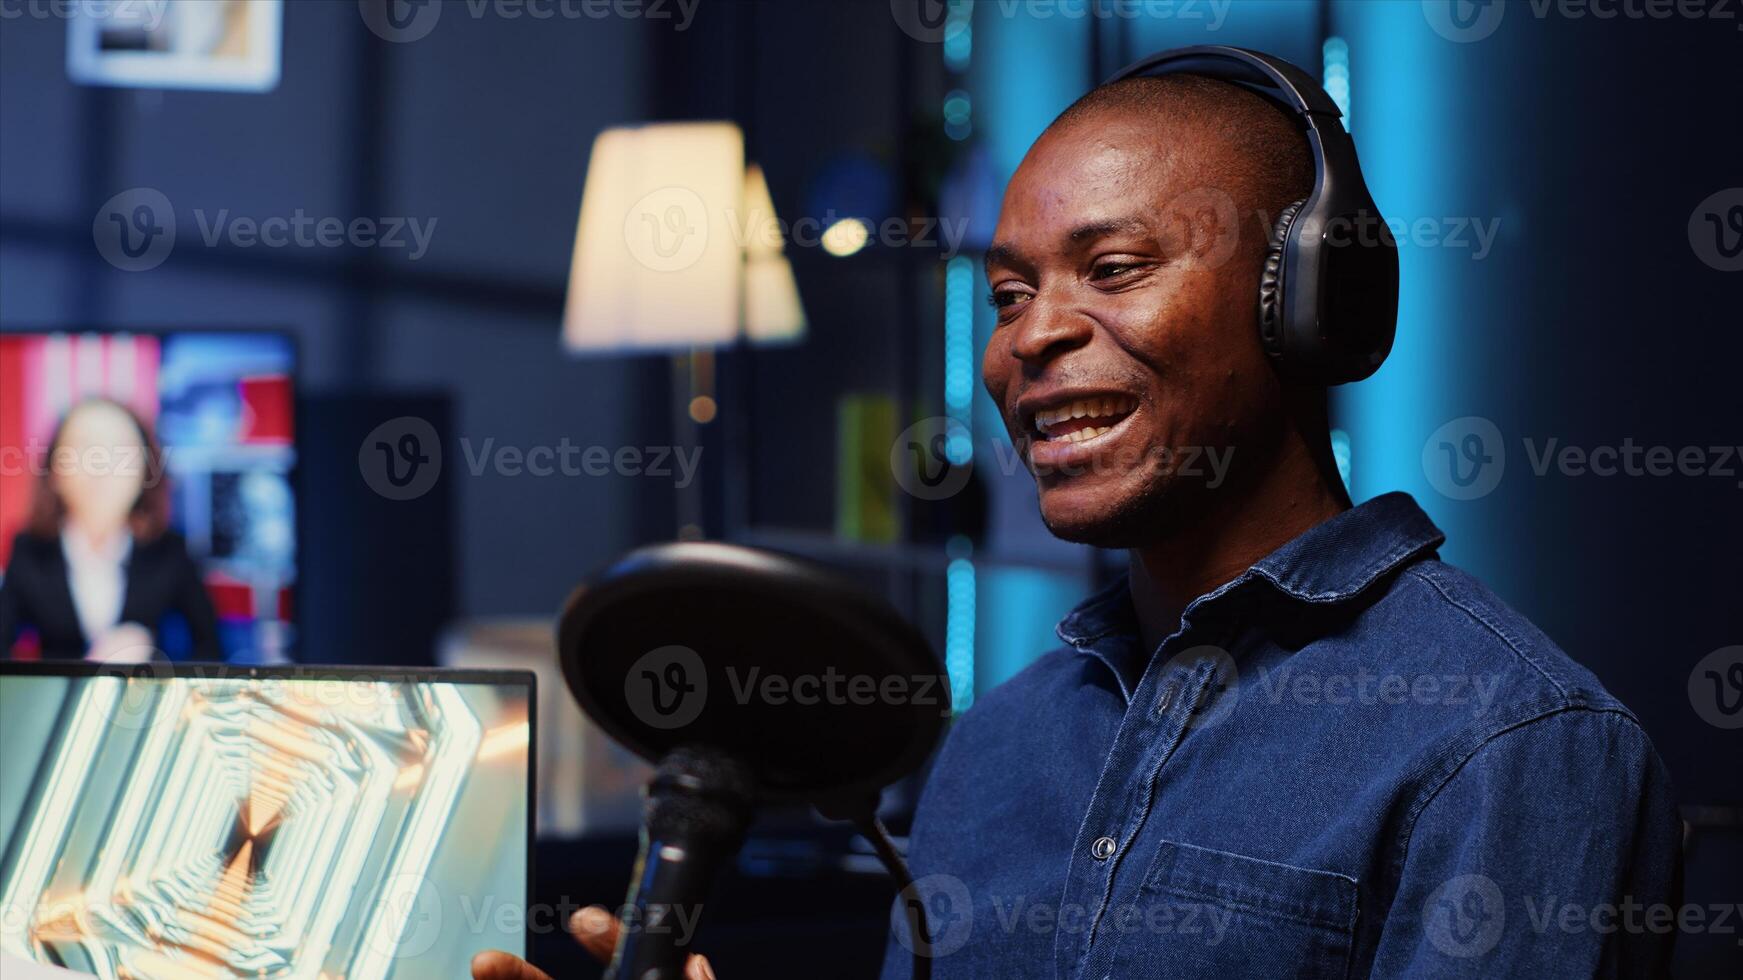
x,y
747,678
698,806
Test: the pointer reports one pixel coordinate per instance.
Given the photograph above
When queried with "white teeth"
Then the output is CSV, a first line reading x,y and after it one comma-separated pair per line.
x,y
1085,434
1085,408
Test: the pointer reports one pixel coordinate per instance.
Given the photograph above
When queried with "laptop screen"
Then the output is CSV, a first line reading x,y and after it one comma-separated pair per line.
x,y
222,821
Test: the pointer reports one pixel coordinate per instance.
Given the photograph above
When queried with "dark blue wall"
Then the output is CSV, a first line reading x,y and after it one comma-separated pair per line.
x,y
1585,142
484,126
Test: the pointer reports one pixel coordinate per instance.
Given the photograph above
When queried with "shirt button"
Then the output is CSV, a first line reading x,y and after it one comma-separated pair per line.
x,y
1103,848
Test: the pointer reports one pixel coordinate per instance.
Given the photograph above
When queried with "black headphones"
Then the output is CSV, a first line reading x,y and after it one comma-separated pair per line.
x,y
1328,298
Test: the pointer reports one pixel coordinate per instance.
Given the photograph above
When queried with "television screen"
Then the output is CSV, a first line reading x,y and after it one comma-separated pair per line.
x,y
219,407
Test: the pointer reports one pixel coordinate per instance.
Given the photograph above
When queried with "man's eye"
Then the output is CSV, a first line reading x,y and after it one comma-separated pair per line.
x,y
1006,298
1108,270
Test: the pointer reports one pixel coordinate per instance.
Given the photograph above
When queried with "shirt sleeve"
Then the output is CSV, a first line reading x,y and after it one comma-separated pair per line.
x,y
1553,850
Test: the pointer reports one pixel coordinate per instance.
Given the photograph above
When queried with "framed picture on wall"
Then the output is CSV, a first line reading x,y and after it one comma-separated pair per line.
x,y
231,45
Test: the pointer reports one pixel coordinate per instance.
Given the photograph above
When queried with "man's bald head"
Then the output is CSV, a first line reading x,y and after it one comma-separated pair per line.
x,y
1222,136
1125,271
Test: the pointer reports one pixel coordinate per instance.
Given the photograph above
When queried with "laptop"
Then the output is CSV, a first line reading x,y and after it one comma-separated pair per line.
x,y
199,820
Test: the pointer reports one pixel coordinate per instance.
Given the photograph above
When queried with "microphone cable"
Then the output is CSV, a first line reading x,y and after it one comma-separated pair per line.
x,y
874,831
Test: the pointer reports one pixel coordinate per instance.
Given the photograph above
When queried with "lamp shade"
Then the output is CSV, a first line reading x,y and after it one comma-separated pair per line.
x,y
657,262
772,311
678,245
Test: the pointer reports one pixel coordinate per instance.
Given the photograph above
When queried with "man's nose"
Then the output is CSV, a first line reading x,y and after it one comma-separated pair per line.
x,y
1048,329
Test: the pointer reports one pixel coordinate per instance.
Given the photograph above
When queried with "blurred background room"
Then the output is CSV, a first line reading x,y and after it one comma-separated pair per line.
x,y
354,272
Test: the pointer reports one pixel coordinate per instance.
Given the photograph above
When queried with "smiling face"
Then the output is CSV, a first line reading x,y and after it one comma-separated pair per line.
x,y
1126,360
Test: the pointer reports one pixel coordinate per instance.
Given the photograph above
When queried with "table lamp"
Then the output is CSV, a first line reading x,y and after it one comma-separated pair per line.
x,y
678,246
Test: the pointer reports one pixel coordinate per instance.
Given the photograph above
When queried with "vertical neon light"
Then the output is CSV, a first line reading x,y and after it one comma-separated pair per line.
x,y
959,35
959,629
959,356
1340,454
959,274
1336,55
1411,147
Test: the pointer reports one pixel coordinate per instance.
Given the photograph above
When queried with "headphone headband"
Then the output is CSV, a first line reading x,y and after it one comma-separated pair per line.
x,y
1250,69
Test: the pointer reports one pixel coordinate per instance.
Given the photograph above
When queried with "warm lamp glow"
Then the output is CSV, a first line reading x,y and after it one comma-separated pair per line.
x,y
845,237
658,263
678,245
772,311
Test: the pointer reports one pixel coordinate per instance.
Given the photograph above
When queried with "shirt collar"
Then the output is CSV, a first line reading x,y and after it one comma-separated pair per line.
x,y
81,553
1338,559
1331,562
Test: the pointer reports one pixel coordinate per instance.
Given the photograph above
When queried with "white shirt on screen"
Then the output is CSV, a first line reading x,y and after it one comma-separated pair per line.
x,y
97,578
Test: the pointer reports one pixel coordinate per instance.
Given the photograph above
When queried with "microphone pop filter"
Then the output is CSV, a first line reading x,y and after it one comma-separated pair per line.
x,y
825,692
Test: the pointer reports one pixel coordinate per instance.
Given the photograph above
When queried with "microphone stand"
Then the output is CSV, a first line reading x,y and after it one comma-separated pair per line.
x,y
697,810
863,814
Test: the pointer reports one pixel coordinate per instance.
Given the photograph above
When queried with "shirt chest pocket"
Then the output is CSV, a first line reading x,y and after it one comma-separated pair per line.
x,y
1220,916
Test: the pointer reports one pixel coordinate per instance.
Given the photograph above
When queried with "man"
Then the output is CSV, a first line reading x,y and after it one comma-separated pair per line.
x,y
1290,742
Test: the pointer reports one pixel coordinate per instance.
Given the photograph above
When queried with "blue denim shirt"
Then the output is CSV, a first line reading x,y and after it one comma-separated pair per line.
x,y
1352,760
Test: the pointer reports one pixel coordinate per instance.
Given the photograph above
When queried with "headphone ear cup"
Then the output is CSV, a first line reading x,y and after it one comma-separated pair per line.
x,y
1271,282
